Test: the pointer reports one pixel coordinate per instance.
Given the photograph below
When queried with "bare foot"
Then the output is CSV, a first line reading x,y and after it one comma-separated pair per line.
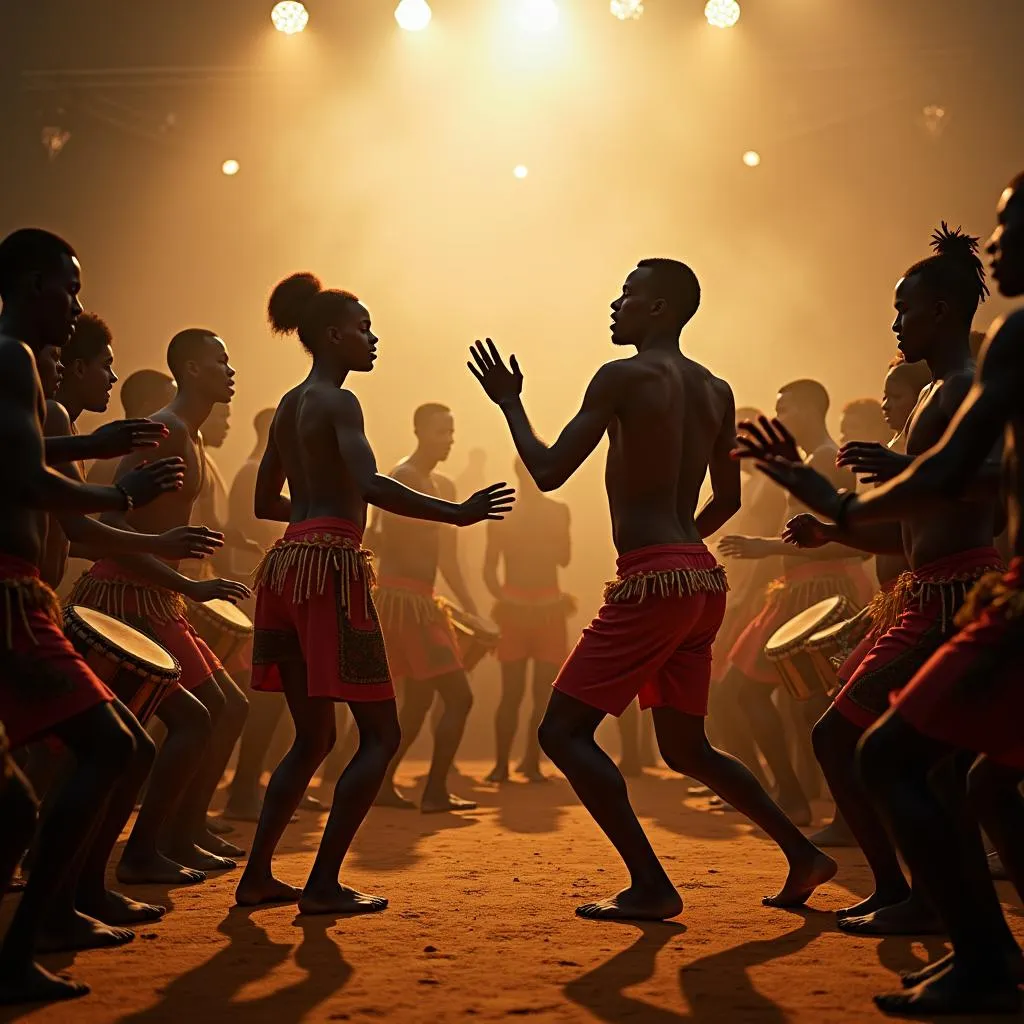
x,y
198,859
390,797
247,809
113,908
952,992
218,826
221,847
156,869
311,803
874,902
30,983
532,773
910,979
911,917
804,877
833,834
656,903
77,931
340,899
497,774
255,892
445,802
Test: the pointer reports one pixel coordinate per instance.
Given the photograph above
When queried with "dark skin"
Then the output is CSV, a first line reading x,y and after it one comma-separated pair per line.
x,y
753,696
982,973
41,311
530,546
170,842
318,445
418,551
669,422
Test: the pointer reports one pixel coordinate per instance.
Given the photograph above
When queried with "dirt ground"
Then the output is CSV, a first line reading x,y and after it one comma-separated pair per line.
x,y
481,928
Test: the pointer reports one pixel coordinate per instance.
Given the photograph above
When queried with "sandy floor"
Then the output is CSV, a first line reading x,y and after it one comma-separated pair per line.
x,y
481,927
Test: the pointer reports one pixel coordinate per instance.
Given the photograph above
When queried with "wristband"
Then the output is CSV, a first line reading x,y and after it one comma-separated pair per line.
x,y
129,501
845,500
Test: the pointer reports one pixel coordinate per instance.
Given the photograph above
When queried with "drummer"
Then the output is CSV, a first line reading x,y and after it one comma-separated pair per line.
x,y
948,545
422,647
170,842
808,577
84,385
532,543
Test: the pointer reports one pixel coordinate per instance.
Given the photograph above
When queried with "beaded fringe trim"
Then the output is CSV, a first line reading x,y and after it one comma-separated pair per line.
x,y
529,614
666,583
314,560
396,606
991,592
21,596
157,604
951,592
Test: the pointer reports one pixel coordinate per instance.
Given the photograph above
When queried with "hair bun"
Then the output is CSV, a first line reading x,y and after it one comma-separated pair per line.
x,y
290,300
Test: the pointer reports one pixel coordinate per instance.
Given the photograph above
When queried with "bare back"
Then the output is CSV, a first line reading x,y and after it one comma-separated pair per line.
x,y
670,414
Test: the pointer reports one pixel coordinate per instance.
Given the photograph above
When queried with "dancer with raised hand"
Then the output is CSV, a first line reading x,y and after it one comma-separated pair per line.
x,y
669,421
318,637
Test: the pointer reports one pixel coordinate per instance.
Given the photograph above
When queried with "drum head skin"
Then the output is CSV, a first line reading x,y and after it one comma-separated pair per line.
x,y
126,638
804,625
229,614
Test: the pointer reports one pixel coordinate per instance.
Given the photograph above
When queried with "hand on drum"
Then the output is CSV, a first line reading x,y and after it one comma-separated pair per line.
x,y
149,481
188,542
763,440
872,462
735,546
805,531
202,591
491,503
122,437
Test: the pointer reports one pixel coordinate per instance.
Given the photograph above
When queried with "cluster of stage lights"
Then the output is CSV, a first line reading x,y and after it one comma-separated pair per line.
x,y
291,17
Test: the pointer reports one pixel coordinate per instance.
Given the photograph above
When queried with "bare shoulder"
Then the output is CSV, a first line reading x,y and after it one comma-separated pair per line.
x,y
57,422
953,390
17,364
445,486
404,472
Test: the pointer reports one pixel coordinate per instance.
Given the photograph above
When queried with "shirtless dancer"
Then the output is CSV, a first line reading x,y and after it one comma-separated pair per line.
x,y
969,696
531,545
669,422
84,385
422,647
46,689
808,576
170,841
318,636
948,546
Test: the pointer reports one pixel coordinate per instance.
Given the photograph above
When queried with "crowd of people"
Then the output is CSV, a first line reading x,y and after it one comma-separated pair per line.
x,y
193,614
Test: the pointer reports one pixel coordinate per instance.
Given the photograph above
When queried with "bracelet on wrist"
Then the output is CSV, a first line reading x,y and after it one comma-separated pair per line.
x,y
129,501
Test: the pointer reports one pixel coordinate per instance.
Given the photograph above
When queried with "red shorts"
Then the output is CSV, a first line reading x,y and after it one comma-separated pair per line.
x,y
313,608
533,626
43,679
417,630
652,638
933,594
970,693
155,611
799,589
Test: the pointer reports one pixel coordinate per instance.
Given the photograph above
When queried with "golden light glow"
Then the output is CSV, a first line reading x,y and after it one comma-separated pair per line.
x,y
289,17
752,158
413,15
520,171
722,13
230,167
538,15
627,10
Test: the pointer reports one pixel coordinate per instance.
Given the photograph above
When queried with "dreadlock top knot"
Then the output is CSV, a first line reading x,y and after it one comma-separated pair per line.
x,y
955,244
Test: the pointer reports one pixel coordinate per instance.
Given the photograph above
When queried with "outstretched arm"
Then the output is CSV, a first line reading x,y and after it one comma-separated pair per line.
x,y
392,496
724,502
550,466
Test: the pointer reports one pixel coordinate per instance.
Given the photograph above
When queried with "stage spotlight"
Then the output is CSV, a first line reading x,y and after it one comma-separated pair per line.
x,y
413,15
722,13
289,17
538,15
230,168
627,10
520,171
752,158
